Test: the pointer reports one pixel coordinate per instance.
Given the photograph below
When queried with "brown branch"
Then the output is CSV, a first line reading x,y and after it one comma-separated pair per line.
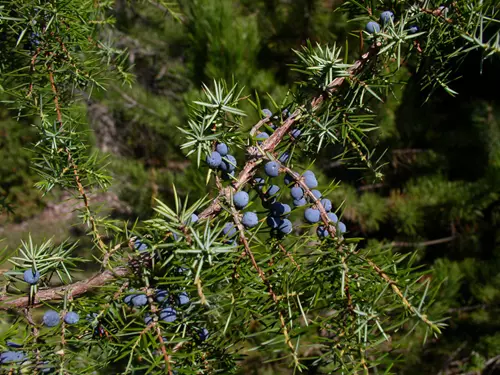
x,y
57,293
424,243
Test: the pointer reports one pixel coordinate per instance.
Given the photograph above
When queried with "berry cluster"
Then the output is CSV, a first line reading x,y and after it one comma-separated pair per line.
x,y
386,18
222,160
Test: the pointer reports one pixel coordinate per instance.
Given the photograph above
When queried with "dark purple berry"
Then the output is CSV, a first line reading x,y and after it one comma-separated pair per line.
x,y
273,221
322,232
295,133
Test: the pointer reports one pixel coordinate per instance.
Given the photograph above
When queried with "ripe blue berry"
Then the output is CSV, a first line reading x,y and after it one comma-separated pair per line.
x,y
285,226
413,30
262,136
322,232
288,179
182,298
168,314
284,157
31,277
312,215
222,149
316,193
241,199
229,230
51,318
203,334
250,219
11,356
194,218
272,169
299,202
342,227
273,190
273,221
140,246
71,317
297,192
128,299
161,295
386,17
295,133
372,27
140,300
214,160
327,204
228,164
266,112
12,344
148,319
310,179
332,217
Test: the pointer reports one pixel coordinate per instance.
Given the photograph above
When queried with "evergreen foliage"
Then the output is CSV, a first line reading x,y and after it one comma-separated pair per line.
x,y
200,284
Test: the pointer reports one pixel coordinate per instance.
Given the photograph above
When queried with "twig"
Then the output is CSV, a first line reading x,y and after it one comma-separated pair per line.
x,y
419,244
57,293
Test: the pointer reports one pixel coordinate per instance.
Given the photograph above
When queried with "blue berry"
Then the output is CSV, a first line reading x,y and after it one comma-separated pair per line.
x,y
148,319
285,226
273,190
322,232
262,136
284,157
413,30
272,169
140,246
386,17
310,179
266,112
203,334
168,314
277,209
71,317
161,295
228,164
316,193
299,202
285,113
250,219
222,149
182,299
327,204
229,230
312,215
194,218
214,160
273,221
342,227
297,192
295,133
372,27
12,344
45,367
332,217
241,199
31,277
51,318
140,300
288,179
11,356
128,299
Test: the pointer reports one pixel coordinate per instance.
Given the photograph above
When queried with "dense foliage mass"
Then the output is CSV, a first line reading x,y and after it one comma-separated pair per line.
x,y
258,257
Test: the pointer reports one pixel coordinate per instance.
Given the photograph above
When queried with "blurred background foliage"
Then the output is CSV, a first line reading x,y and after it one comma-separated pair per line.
x,y
441,184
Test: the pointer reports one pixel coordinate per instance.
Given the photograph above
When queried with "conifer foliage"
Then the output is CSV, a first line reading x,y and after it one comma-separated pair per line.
x,y
263,262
